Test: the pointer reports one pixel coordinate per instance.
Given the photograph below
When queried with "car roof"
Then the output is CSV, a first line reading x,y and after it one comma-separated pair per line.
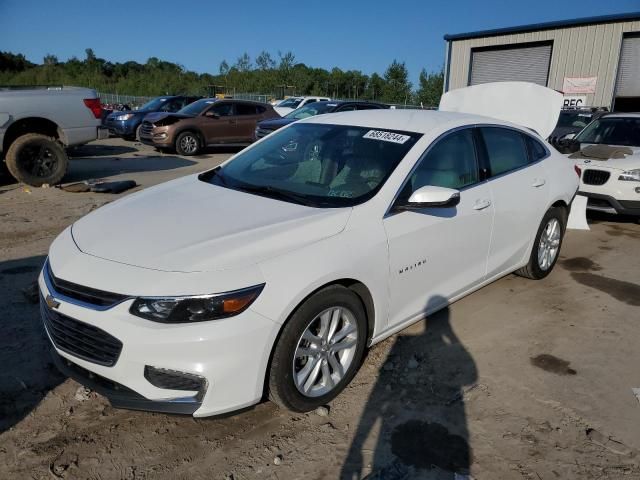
x,y
418,121
623,115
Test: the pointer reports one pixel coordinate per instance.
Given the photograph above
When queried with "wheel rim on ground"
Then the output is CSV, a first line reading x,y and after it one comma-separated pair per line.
x,y
549,244
188,144
39,160
325,351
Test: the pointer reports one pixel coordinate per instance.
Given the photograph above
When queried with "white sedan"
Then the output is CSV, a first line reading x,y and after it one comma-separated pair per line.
x,y
271,274
288,105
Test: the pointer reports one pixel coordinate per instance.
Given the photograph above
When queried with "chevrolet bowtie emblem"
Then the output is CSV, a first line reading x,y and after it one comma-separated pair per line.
x,y
52,302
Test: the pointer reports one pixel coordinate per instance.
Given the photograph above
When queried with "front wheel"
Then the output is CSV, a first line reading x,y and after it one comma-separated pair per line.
x,y
36,160
187,143
546,246
319,351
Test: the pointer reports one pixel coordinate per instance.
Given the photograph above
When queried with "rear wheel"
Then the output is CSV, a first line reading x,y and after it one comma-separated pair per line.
x,y
36,160
546,247
187,143
319,351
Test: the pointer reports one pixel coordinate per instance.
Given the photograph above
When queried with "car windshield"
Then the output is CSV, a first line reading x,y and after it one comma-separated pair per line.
x,y
315,108
196,108
290,103
574,119
154,104
612,131
317,165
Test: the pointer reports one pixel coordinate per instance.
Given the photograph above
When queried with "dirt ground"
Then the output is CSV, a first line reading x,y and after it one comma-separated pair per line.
x,y
521,380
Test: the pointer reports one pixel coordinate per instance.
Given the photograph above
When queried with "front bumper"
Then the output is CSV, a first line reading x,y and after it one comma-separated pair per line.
x,y
231,355
121,128
609,204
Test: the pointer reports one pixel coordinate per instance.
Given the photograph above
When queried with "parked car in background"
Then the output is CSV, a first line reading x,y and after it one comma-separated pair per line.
x,y
204,123
265,127
572,120
127,124
608,155
271,274
36,124
289,104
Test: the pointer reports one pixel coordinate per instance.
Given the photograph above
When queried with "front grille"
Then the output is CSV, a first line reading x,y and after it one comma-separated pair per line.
x,y
146,129
595,177
80,339
81,293
263,132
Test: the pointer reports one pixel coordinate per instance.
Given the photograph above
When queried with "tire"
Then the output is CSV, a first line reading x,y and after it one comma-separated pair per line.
x,y
537,269
137,134
36,160
187,143
285,364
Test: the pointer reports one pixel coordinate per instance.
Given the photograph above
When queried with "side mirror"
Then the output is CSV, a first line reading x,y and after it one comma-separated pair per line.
x,y
431,196
568,136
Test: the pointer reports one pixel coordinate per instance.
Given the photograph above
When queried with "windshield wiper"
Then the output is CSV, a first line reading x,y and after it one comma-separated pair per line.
x,y
268,191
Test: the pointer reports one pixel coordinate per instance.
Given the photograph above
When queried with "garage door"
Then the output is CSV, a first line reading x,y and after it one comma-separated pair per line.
x,y
523,63
628,83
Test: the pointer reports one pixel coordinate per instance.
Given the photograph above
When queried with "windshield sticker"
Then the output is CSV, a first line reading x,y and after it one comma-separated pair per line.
x,y
386,136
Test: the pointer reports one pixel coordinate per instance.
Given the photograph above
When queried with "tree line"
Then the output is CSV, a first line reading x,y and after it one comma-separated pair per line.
x,y
265,74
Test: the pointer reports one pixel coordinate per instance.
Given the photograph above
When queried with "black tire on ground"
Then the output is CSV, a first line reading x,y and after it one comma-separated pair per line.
x,y
282,389
37,159
185,140
533,270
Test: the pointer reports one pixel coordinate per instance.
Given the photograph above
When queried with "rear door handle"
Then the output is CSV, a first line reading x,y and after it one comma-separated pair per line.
x,y
481,204
538,182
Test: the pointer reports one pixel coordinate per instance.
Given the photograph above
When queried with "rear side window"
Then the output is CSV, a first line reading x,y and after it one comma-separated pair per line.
x,y
245,109
223,109
261,109
450,163
506,149
536,150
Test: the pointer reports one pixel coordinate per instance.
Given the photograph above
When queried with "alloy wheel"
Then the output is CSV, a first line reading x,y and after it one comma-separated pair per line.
x,y
188,144
549,244
325,351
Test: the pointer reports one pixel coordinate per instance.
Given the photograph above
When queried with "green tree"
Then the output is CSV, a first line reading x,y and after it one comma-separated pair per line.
x,y
50,59
265,62
243,64
223,68
90,56
397,87
430,88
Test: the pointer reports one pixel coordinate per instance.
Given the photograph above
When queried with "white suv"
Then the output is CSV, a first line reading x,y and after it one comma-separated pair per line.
x,y
290,104
272,273
610,162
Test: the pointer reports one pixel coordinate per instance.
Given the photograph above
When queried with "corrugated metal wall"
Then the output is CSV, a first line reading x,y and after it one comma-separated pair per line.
x,y
584,51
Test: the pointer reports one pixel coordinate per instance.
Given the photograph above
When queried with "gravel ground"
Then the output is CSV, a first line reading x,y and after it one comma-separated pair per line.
x,y
521,379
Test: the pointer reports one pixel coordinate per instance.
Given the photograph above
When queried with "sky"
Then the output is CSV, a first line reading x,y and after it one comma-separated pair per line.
x,y
364,35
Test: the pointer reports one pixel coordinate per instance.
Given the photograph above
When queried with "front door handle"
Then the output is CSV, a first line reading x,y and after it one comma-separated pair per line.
x,y
481,204
538,182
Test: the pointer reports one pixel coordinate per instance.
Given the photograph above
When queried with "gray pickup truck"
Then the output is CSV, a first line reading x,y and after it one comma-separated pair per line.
x,y
38,123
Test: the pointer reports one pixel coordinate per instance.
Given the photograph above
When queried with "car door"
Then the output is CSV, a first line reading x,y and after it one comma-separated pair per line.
x,y
519,194
439,251
218,123
247,117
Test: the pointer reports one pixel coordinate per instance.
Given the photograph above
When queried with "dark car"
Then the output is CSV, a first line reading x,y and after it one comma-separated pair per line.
x,y
317,108
127,124
573,121
204,123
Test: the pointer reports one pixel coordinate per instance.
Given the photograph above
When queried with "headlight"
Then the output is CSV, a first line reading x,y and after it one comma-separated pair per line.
x,y
630,176
126,116
199,308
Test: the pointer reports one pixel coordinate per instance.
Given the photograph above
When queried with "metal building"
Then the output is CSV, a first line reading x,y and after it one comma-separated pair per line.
x,y
593,61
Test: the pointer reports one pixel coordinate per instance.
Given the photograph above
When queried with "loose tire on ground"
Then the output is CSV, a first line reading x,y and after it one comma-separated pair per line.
x,y
37,159
187,143
533,269
282,389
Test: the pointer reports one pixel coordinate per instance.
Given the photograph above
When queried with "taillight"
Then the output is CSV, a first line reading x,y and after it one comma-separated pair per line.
x,y
94,105
578,171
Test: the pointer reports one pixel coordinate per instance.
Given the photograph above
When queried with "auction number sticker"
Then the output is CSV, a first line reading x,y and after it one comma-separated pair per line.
x,y
386,136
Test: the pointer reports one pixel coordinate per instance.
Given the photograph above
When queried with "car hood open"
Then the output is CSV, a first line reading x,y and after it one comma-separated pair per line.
x,y
188,225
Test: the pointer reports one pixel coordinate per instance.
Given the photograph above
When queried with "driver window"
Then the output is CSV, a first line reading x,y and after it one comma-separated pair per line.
x,y
450,163
222,109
